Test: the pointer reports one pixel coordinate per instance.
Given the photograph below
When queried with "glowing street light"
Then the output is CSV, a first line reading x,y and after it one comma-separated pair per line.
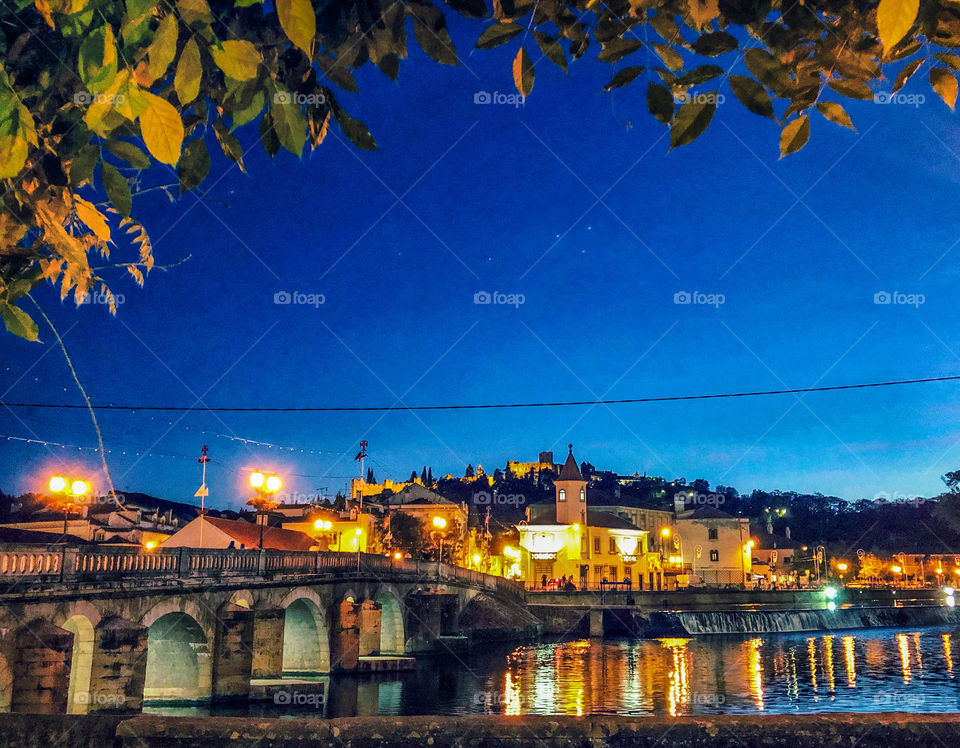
x,y
440,523
257,479
150,545
323,524
57,484
76,488
264,486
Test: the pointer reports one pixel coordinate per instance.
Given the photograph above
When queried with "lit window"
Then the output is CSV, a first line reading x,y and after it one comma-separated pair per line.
x,y
583,495
613,545
563,495
714,555
596,545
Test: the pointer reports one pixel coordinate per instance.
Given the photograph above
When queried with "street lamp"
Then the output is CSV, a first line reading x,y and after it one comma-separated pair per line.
x,y
358,532
842,568
74,489
264,486
440,523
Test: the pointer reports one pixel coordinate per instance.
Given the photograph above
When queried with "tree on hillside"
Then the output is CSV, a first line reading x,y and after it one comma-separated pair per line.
x,y
100,99
413,476
469,472
408,534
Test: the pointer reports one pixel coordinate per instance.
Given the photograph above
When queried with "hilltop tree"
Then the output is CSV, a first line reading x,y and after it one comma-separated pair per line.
x,y
469,472
370,477
100,99
423,475
430,476
413,476
408,534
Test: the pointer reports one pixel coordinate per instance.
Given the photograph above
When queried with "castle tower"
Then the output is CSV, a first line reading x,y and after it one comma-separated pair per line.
x,y
571,493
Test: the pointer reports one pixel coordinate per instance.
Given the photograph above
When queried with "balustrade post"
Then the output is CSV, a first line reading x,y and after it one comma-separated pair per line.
x,y
261,562
68,561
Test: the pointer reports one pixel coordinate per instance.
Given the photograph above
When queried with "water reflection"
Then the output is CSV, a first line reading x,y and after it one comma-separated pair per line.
x,y
876,670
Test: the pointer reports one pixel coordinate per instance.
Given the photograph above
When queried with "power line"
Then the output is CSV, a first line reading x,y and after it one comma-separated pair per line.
x,y
485,406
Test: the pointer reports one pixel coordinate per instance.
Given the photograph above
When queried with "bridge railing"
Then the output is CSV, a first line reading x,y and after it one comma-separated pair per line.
x,y
98,564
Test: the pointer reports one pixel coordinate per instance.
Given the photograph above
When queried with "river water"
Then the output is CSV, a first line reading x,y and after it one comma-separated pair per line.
x,y
915,670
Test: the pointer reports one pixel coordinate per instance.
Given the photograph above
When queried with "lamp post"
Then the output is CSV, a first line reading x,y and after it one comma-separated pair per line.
x,y
842,568
440,523
358,532
264,486
69,489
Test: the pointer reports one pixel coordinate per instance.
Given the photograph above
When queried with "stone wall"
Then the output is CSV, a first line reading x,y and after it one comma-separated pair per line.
x,y
891,730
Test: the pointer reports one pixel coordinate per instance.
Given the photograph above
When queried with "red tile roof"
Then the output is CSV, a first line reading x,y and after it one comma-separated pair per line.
x,y
276,538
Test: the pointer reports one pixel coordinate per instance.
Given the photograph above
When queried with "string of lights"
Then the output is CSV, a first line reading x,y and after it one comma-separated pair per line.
x,y
482,406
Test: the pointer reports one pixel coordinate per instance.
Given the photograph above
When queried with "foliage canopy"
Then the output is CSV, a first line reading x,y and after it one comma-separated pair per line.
x,y
98,95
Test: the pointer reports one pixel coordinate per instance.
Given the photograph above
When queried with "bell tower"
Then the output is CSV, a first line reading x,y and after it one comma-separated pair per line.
x,y
571,493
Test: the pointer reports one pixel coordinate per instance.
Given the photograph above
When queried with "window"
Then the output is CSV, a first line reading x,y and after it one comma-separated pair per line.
x,y
613,574
613,545
596,545
563,495
583,544
583,495
712,533
598,571
714,556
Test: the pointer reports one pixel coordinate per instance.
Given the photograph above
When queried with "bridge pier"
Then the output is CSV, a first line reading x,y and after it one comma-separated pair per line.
x,y
370,626
233,653
596,622
119,667
430,616
41,672
268,624
345,639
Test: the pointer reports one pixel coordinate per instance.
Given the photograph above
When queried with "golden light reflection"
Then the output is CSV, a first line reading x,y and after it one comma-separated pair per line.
x,y
948,654
849,661
812,656
756,671
678,693
916,648
512,700
828,661
793,687
903,644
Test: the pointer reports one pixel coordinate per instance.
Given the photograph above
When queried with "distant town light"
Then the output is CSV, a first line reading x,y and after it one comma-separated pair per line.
x,y
831,606
323,524
150,545
398,555
665,532
830,592
948,591
950,601
358,532
576,528
439,522
477,558
896,569
842,566
57,484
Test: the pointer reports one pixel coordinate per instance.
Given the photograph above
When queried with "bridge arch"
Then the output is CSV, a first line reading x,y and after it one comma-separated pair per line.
x,y
80,619
6,683
392,635
179,661
306,637
243,598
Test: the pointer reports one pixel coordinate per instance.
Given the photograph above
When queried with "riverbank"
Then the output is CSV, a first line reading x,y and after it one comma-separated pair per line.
x,y
883,730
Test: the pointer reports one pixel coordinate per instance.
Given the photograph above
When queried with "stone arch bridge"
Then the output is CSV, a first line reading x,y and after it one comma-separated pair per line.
x,y
103,629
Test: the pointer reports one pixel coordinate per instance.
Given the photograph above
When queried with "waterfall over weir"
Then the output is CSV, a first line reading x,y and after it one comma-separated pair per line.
x,y
699,623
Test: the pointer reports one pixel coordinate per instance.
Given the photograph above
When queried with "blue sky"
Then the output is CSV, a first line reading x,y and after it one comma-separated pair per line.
x,y
573,201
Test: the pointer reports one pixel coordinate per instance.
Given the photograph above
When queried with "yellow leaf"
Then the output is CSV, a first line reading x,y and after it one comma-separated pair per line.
x,y
88,213
298,22
162,129
945,84
238,59
523,72
795,135
894,19
163,48
193,11
189,69
43,6
13,155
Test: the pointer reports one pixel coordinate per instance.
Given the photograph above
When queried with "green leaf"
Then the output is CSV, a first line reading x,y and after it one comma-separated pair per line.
x,y
435,42
251,112
551,49
836,113
337,70
229,144
19,322
752,95
523,72
794,135
469,8
129,153
617,49
195,12
13,155
298,22
98,59
355,130
81,165
691,120
237,58
194,165
189,69
660,102
289,124
624,77
944,83
894,19
715,44
497,34
671,58
699,75
268,136
117,188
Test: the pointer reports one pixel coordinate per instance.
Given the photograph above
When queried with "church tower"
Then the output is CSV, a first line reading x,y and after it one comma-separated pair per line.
x,y
571,490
